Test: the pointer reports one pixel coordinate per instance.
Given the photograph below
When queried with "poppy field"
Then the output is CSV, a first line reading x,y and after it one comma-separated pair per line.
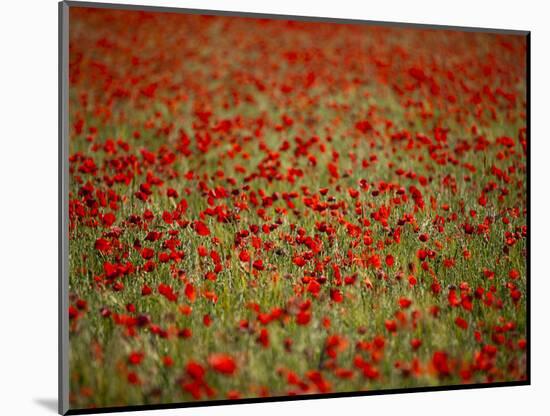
x,y
265,208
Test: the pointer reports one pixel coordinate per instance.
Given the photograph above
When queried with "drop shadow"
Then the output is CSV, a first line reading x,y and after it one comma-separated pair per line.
x,y
49,404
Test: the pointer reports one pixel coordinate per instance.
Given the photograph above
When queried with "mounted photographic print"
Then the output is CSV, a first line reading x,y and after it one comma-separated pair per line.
x,y
261,208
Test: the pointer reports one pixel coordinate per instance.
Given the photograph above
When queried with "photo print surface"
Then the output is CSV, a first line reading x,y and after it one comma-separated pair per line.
x,y
272,208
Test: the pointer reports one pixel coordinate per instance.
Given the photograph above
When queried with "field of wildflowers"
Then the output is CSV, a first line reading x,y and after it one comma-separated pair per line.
x,y
270,208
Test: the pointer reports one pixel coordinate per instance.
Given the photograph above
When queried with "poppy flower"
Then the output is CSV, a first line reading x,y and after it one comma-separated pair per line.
x,y
146,290
168,292
258,264
108,219
303,318
336,295
167,361
244,256
263,338
102,245
133,378
201,228
203,252
195,370
73,312
135,358
404,303
461,322
190,292
390,325
440,361
415,343
222,363
147,253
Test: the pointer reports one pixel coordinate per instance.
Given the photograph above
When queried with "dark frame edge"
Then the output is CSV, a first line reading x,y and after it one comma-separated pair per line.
x,y
253,400
63,189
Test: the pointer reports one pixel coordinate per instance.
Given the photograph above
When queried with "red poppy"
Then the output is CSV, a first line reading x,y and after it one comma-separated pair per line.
x,y
146,290
201,228
244,256
263,338
222,363
190,292
103,245
195,370
133,378
391,325
336,295
108,219
303,318
147,253
404,303
135,358
461,323
415,343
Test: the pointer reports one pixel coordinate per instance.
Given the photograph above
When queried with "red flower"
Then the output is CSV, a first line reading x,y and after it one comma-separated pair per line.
x,y
391,326
73,312
363,126
167,217
135,358
514,274
244,256
133,378
194,389
258,264
303,318
102,245
415,343
233,395
404,303
167,292
441,363
299,261
190,292
201,228
263,338
222,363
108,219
195,370
461,323
146,290
167,361
147,253
202,250
336,295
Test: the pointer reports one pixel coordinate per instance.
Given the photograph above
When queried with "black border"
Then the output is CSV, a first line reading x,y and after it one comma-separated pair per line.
x,y
63,201
208,403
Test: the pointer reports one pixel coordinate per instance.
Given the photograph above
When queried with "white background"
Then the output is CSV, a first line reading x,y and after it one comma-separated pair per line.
x,y
28,205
